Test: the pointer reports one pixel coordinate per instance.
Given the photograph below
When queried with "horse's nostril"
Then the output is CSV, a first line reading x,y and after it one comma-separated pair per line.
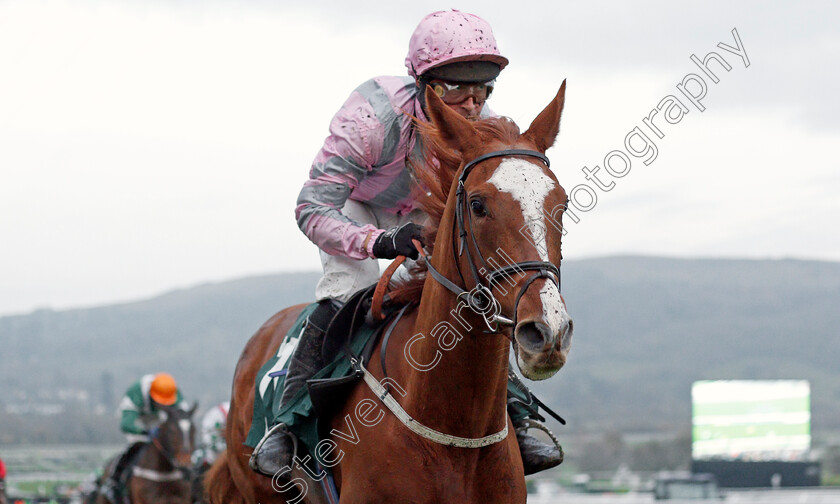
x,y
566,337
533,336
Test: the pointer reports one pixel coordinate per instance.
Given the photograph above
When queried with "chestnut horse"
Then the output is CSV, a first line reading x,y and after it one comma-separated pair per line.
x,y
492,278
162,472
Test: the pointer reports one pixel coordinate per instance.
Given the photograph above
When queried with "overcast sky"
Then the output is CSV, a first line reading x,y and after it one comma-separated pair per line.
x,y
150,145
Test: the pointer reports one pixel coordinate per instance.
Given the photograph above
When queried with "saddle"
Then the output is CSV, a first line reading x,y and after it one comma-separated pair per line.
x,y
350,337
327,394
344,323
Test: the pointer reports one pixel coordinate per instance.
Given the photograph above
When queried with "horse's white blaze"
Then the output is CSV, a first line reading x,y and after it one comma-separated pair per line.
x,y
185,425
529,185
554,311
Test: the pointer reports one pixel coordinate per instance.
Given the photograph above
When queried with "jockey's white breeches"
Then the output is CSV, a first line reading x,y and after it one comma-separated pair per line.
x,y
344,276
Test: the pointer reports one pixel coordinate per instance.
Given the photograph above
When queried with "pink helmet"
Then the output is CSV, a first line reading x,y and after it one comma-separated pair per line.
x,y
445,37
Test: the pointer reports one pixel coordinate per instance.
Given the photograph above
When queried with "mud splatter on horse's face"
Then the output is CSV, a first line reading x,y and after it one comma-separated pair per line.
x,y
527,194
510,195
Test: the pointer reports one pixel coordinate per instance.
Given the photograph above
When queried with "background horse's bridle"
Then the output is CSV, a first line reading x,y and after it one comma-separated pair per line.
x,y
480,298
178,472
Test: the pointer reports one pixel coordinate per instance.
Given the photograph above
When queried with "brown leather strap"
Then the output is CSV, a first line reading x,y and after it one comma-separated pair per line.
x,y
382,288
385,281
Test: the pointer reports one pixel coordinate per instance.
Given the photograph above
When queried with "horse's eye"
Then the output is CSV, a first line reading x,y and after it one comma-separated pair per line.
x,y
478,208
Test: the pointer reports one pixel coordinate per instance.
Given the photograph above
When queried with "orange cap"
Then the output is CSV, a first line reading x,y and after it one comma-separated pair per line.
x,y
164,390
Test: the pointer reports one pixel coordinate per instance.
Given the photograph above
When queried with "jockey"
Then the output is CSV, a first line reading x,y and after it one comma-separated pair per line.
x,y
140,418
212,434
357,205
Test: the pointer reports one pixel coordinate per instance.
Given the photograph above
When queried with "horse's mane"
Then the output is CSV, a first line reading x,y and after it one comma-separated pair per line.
x,y
435,175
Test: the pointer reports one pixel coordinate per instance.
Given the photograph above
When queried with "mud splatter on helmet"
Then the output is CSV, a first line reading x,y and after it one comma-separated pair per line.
x,y
454,45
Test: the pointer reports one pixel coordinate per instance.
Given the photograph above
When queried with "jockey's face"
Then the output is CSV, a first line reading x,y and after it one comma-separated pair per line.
x,y
466,98
469,108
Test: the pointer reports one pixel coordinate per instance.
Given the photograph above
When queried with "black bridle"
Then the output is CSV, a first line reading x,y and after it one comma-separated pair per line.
x,y
482,300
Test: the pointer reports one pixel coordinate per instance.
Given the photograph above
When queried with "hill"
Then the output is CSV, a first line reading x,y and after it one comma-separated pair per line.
x,y
645,329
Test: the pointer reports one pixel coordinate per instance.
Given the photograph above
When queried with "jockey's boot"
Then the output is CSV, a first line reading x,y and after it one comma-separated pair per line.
x,y
536,455
275,450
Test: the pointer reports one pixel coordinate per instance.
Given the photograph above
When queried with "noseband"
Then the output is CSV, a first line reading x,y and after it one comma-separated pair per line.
x,y
480,299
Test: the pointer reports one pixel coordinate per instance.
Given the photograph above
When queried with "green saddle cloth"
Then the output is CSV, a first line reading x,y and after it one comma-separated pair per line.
x,y
299,414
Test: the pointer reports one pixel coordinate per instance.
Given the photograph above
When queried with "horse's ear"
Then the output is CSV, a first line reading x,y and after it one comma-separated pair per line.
x,y
543,131
194,407
452,128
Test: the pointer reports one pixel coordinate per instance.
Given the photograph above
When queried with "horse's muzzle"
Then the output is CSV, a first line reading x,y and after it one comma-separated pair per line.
x,y
541,352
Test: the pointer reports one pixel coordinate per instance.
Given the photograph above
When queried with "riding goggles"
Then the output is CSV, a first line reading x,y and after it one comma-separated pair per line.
x,y
456,92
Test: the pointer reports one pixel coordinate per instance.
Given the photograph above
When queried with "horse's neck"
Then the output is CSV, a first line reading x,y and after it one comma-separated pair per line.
x,y
153,460
158,479
464,393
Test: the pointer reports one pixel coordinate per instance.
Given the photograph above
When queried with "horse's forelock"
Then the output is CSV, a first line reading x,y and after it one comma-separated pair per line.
x,y
436,175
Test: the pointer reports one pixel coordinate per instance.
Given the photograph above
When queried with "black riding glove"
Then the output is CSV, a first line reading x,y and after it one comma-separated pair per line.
x,y
397,241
